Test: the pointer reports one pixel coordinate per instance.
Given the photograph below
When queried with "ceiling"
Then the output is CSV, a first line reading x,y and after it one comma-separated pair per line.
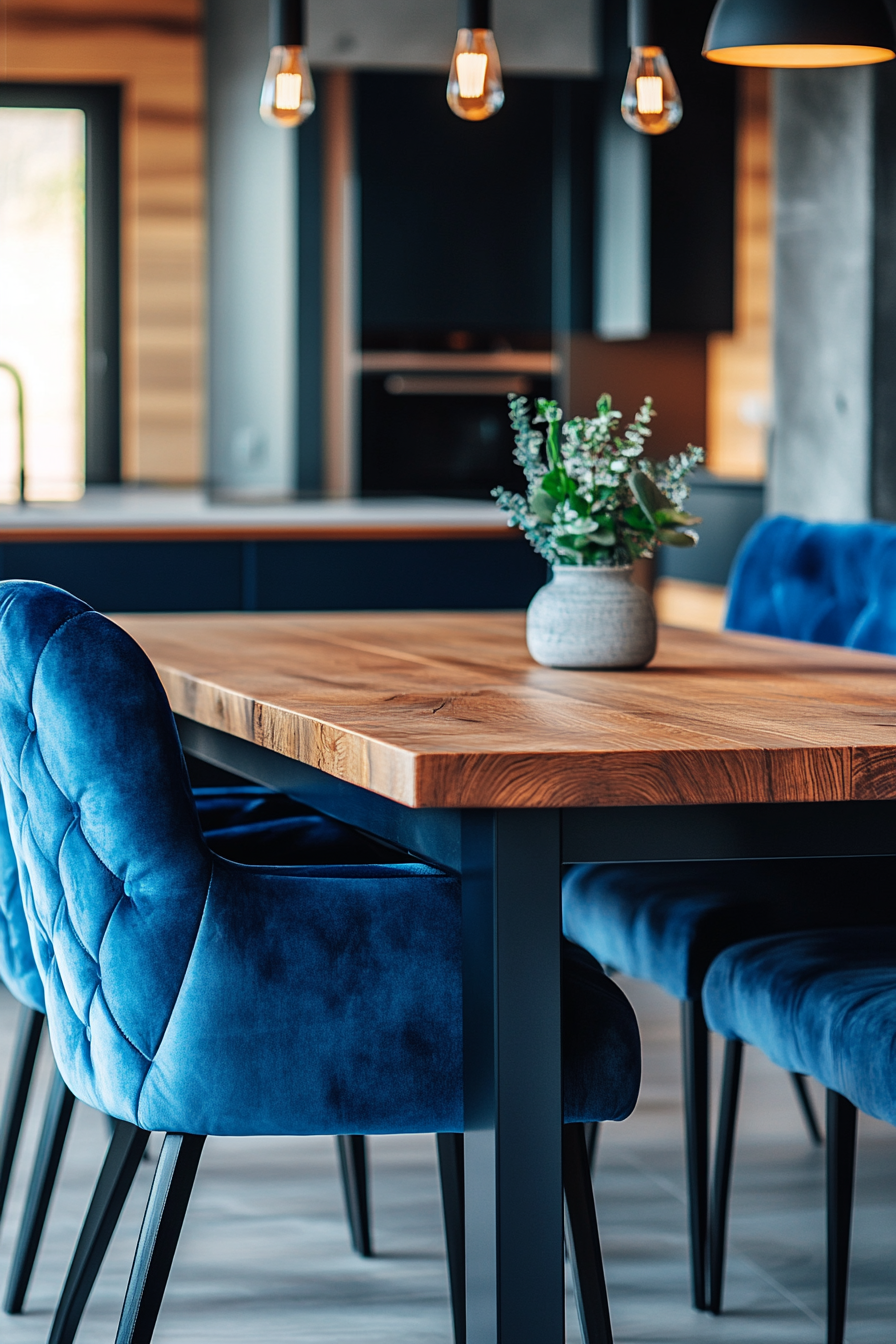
x,y
533,37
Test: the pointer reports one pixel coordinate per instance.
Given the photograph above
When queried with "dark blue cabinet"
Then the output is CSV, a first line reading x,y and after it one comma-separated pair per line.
x,y
313,575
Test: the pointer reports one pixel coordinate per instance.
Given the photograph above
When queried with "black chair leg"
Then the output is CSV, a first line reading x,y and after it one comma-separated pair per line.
x,y
721,1176
806,1108
841,1170
582,1240
695,1068
162,1223
31,1025
353,1164
592,1138
57,1119
450,1148
126,1148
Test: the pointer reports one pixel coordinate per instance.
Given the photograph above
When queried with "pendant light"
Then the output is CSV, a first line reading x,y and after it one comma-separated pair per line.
x,y
287,95
475,90
651,102
790,34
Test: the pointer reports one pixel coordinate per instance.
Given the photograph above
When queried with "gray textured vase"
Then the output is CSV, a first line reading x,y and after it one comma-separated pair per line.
x,y
588,616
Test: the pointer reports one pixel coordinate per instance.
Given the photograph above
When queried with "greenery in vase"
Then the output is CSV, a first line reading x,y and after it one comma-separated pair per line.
x,y
592,497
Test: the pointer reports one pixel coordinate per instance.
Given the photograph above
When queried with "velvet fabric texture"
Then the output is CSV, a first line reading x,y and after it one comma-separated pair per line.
x,y
247,824
667,924
188,992
832,583
820,1003
827,583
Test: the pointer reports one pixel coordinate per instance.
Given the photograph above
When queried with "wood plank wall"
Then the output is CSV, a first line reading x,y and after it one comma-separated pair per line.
x,y
739,365
154,49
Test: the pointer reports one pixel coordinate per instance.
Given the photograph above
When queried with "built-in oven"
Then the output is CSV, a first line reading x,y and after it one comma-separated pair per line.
x,y
435,423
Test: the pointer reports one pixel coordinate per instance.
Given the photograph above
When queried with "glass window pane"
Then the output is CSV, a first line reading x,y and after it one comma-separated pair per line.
x,y
42,293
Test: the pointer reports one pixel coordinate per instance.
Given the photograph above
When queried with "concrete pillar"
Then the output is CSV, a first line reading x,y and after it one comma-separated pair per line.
x,y
253,255
821,462
883,401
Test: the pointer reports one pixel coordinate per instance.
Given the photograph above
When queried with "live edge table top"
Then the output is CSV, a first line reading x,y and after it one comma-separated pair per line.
x,y
437,709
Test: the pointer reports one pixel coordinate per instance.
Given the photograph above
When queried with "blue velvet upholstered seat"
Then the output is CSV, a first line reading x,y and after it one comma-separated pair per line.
x,y
827,582
668,925
821,1003
189,993
824,1003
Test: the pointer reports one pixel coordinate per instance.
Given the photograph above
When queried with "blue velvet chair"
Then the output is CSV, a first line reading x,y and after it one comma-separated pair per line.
x,y
192,994
243,822
826,582
822,1003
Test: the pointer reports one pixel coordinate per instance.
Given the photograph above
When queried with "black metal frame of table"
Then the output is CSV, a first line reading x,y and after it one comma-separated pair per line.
x,y
510,861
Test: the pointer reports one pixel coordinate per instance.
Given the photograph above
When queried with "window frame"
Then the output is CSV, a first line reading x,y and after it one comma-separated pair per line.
x,y
101,105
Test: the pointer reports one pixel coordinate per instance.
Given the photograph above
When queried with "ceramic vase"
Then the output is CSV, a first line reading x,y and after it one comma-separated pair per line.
x,y
591,617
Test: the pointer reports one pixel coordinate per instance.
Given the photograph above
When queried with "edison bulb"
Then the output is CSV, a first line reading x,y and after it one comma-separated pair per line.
x,y
475,90
651,102
287,95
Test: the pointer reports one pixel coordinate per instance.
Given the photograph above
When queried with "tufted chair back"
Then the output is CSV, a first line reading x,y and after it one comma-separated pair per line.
x,y
827,583
822,582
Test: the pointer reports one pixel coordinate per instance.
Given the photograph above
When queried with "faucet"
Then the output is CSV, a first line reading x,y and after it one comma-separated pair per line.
x,y
20,401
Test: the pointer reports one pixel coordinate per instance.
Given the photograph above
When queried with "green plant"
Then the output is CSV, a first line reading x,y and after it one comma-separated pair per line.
x,y
592,497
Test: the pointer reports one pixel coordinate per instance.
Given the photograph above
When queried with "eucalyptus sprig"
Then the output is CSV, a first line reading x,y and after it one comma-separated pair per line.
x,y
592,496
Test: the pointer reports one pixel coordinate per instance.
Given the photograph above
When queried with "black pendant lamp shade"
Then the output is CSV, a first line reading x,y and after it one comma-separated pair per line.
x,y
474,14
792,34
287,23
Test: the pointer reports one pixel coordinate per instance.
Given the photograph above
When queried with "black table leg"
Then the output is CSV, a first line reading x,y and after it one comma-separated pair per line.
x,y
512,1077
450,1148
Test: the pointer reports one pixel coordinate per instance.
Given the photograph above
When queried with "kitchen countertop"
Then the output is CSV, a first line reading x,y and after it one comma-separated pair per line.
x,y
147,513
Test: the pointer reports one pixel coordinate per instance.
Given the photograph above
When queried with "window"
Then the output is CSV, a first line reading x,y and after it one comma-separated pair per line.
x,y
59,324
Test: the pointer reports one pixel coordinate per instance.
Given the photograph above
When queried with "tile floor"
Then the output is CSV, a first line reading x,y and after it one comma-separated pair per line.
x,y
265,1254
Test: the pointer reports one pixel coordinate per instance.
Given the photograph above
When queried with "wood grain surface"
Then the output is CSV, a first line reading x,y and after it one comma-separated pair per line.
x,y
449,710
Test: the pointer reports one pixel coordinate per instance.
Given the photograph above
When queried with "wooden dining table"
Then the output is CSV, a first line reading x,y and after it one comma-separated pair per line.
x,y
438,733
